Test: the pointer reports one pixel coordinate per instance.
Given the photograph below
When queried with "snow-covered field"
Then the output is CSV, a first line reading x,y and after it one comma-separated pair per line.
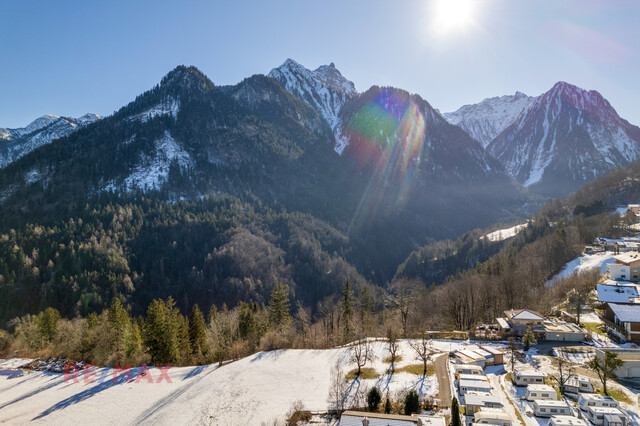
x,y
503,234
584,263
255,389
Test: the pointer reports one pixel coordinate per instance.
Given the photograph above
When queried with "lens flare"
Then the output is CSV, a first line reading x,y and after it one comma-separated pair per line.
x,y
388,134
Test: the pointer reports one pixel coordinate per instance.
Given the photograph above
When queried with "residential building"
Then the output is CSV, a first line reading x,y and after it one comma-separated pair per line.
x,y
626,267
498,355
622,321
562,331
630,357
518,321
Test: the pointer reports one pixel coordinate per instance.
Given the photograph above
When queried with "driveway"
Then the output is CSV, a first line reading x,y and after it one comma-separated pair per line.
x,y
444,385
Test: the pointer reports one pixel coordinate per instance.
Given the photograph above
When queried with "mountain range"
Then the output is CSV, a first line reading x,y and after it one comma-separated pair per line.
x,y
218,192
554,143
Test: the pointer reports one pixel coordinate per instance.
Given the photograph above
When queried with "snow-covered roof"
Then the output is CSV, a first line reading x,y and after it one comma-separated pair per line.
x,y
480,384
431,420
482,414
475,399
566,421
540,388
549,403
626,313
503,323
528,373
608,293
626,258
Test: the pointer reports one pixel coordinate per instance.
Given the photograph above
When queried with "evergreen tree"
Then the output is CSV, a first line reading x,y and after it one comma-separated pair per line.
x,y
161,331
279,315
528,339
197,332
387,406
347,309
373,399
455,412
47,322
411,402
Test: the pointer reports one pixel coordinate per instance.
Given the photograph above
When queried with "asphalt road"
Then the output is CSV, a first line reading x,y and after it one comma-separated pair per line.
x,y
444,385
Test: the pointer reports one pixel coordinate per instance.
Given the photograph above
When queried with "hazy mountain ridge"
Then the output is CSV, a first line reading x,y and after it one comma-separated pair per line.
x,y
15,143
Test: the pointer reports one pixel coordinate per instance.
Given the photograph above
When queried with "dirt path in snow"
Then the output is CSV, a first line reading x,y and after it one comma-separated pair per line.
x,y
444,387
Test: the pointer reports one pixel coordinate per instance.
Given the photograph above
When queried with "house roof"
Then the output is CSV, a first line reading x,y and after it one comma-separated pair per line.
x,y
528,373
540,388
608,293
626,313
354,418
629,257
503,323
479,415
524,315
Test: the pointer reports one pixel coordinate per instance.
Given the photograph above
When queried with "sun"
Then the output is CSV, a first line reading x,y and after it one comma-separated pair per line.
x,y
452,16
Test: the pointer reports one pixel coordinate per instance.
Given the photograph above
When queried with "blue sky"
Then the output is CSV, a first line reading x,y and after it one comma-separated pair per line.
x,y
72,57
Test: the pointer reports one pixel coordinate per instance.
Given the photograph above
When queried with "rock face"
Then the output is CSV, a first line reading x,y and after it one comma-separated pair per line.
x,y
485,120
15,143
564,139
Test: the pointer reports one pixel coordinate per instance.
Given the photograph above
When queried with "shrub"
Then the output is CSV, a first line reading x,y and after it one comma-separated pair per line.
x,y
411,402
373,399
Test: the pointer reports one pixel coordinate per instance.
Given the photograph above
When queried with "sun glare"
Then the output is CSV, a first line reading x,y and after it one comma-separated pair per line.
x,y
451,16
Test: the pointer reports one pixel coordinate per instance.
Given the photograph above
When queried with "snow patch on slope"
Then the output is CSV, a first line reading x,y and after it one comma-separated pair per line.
x,y
503,234
169,107
584,263
152,171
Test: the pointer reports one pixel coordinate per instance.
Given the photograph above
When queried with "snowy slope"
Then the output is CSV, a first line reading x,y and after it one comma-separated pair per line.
x,y
584,263
152,170
255,389
567,137
15,143
503,234
325,89
485,120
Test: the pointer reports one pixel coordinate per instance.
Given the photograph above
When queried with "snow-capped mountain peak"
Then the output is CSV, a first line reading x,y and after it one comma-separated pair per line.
x,y
485,120
567,137
14,143
325,89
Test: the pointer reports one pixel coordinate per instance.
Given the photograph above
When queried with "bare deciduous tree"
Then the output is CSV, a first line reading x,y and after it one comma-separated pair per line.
x,y
337,388
361,353
393,347
423,350
565,370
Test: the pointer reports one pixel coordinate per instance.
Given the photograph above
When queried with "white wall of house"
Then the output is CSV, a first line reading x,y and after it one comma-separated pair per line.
x,y
619,271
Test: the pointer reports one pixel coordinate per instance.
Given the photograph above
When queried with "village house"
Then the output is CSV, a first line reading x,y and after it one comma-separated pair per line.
x,y
626,267
466,386
562,331
467,369
359,418
518,321
622,321
496,354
